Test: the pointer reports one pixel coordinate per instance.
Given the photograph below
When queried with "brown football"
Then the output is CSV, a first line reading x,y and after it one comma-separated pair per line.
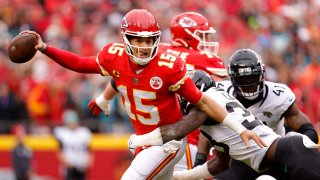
x,y
21,48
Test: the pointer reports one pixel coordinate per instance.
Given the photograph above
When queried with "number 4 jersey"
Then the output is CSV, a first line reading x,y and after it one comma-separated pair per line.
x,y
277,98
222,136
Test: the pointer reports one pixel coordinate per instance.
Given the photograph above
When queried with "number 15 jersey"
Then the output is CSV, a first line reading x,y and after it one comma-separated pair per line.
x,y
148,94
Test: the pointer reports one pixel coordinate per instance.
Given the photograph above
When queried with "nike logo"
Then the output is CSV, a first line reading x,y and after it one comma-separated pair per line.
x,y
291,99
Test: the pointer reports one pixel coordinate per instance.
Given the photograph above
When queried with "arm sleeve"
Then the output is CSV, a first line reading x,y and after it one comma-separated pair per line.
x,y
182,84
113,84
72,61
309,130
190,92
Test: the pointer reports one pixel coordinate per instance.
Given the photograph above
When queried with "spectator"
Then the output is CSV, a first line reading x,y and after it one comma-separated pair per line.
x,y
12,109
74,153
21,155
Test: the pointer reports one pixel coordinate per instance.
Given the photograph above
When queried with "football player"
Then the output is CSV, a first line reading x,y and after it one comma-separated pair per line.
x,y
148,82
192,41
273,103
293,157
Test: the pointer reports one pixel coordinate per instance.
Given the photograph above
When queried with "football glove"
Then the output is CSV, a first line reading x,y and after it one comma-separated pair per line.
x,y
96,106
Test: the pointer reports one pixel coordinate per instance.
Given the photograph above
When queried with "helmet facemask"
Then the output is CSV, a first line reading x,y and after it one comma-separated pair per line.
x,y
139,23
152,50
205,40
248,82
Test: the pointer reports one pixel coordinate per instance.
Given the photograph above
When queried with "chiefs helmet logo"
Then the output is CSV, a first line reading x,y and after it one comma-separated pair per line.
x,y
124,23
156,82
187,22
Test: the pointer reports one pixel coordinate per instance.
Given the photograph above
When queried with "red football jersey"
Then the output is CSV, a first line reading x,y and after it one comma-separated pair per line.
x,y
149,95
198,60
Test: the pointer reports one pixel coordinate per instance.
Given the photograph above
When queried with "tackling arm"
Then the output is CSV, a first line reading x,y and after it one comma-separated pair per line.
x,y
170,132
189,123
299,122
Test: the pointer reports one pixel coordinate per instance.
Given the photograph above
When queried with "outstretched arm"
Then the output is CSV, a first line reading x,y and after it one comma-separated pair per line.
x,y
67,59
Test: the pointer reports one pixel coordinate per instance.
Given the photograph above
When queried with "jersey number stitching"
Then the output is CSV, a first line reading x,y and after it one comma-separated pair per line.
x,y
150,112
250,122
278,91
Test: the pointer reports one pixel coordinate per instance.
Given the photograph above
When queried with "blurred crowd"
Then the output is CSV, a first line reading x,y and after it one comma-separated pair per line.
x,y
37,93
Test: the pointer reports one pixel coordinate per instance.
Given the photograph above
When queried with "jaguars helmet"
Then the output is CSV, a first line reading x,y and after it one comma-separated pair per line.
x,y
247,73
203,81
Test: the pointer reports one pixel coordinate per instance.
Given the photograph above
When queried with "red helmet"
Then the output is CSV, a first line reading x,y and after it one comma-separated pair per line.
x,y
140,23
193,30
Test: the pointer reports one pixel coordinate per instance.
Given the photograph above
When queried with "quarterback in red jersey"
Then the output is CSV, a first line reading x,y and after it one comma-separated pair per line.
x,y
148,82
192,41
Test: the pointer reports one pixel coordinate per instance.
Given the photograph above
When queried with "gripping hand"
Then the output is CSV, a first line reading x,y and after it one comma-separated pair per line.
x,y
96,106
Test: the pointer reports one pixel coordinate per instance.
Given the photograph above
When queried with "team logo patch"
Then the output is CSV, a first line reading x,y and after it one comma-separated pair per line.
x,y
187,22
116,73
156,82
124,23
267,114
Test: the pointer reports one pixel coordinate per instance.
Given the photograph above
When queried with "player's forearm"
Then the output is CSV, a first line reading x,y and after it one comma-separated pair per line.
x,y
170,132
158,137
152,138
219,114
109,92
212,108
72,61
182,128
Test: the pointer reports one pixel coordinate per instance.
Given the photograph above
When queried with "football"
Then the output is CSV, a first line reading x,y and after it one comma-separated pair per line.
x,y
21,48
